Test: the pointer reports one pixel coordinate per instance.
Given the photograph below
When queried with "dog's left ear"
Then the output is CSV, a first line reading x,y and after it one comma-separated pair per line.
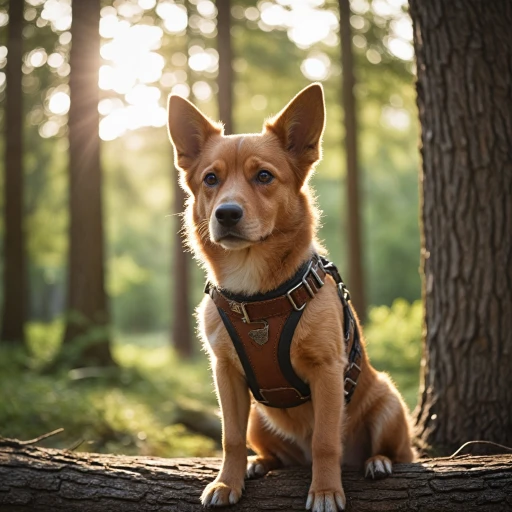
x,y
189,130
299,127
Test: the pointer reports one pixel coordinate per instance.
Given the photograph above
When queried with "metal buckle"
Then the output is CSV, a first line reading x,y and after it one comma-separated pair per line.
x,y
316,276
354,384
292,302
354,365
306,285
246,318
344,291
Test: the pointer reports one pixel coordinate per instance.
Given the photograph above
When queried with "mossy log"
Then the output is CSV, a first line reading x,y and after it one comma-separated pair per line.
x,y
39,479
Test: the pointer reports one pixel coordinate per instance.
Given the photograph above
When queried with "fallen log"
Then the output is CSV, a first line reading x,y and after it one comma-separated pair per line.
x,y
39,479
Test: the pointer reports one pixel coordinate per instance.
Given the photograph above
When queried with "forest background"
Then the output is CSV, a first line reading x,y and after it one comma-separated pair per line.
x,y
155,402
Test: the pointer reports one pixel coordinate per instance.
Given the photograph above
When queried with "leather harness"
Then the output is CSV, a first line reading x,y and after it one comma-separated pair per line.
x,y
261,328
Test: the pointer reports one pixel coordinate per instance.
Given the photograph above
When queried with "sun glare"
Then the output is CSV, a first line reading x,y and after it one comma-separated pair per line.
x,y
132,64
135,72
134,69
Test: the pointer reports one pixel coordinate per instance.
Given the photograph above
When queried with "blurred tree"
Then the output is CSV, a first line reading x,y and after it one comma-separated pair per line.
x,y
180,274
88,316
225,77
135,165
180,279
355,279
14,278
464,58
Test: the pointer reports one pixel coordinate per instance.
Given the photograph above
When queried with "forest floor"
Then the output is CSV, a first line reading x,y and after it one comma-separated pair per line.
x,y
154,404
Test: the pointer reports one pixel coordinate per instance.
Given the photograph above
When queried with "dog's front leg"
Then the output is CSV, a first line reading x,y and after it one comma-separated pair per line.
x,y
234,400
326,491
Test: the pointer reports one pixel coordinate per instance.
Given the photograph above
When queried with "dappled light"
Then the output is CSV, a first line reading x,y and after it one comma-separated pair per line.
x,y
149,49
223,215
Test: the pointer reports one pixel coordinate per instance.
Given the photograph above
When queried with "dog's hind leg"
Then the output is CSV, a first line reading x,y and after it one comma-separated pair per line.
x,y
272,450
390,437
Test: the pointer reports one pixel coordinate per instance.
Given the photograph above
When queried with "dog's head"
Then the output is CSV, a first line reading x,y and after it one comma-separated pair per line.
x,y
247,189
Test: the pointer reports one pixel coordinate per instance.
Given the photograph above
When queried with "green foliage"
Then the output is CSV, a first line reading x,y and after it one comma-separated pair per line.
x,y
44,341
135,409
132,410
139,176
393,336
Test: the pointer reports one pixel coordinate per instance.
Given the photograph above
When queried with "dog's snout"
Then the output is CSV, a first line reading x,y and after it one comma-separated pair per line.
x,y
228,214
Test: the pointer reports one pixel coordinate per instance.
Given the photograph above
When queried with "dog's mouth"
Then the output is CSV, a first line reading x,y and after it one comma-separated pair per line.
x,y
232,240
233,237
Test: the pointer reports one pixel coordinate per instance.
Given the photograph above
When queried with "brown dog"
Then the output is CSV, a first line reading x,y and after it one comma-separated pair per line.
x,y
252,222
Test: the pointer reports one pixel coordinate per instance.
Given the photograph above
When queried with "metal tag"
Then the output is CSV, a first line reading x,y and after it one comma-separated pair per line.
x,y
234,306
260,336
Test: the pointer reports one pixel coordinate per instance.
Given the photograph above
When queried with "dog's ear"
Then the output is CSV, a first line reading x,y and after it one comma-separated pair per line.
x,y
189,129
299,127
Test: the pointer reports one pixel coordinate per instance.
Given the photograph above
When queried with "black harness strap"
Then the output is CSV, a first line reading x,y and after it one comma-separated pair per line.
x,y
283,354
298,390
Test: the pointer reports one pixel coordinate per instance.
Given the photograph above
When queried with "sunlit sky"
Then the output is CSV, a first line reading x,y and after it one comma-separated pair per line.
x,y
134,70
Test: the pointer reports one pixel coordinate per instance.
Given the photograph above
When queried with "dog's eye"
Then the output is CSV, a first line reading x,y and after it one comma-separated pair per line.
x,y
210,179
264,176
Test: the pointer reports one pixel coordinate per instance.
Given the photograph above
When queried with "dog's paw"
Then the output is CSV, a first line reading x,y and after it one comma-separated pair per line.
x,y
260,466
378,467
326,501
218,494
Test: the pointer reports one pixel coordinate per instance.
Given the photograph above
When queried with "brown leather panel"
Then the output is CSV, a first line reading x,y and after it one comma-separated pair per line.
x,y
274,307
281,397
260,338
263,358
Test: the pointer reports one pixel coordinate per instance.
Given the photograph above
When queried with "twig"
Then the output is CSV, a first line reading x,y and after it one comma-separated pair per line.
x,y
75,445
44,436
479,442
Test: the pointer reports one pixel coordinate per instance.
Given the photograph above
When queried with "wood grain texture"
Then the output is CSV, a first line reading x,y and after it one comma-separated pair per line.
x,y
52,480
464,61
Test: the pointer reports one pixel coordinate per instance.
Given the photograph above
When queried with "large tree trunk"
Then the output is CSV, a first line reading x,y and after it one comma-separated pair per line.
x,y
225,78
87,302
14,283
355,280
464,60
51,480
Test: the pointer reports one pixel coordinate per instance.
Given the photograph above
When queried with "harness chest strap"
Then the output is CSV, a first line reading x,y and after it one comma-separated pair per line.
x,y
262,332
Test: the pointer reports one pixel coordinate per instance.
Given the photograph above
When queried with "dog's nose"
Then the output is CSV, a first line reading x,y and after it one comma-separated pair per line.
x,y
228,214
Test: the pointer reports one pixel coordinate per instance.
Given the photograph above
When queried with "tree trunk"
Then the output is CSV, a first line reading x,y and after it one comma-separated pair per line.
x,y
180,280
14,282
225,78
52,480
464,60
88,319
355,279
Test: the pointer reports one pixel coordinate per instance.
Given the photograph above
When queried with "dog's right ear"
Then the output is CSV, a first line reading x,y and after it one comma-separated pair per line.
x,y
299,127
189,129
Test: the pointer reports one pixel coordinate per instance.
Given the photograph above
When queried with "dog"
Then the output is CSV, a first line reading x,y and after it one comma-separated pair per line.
x,y
251,220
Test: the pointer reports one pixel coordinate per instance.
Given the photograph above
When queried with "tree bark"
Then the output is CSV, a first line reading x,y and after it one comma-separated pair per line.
x,y
225,78
180,280
355,281
14,279
52,480
464,61
88,316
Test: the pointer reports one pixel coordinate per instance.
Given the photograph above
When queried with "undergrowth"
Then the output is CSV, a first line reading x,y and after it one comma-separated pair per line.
x,y
135,408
